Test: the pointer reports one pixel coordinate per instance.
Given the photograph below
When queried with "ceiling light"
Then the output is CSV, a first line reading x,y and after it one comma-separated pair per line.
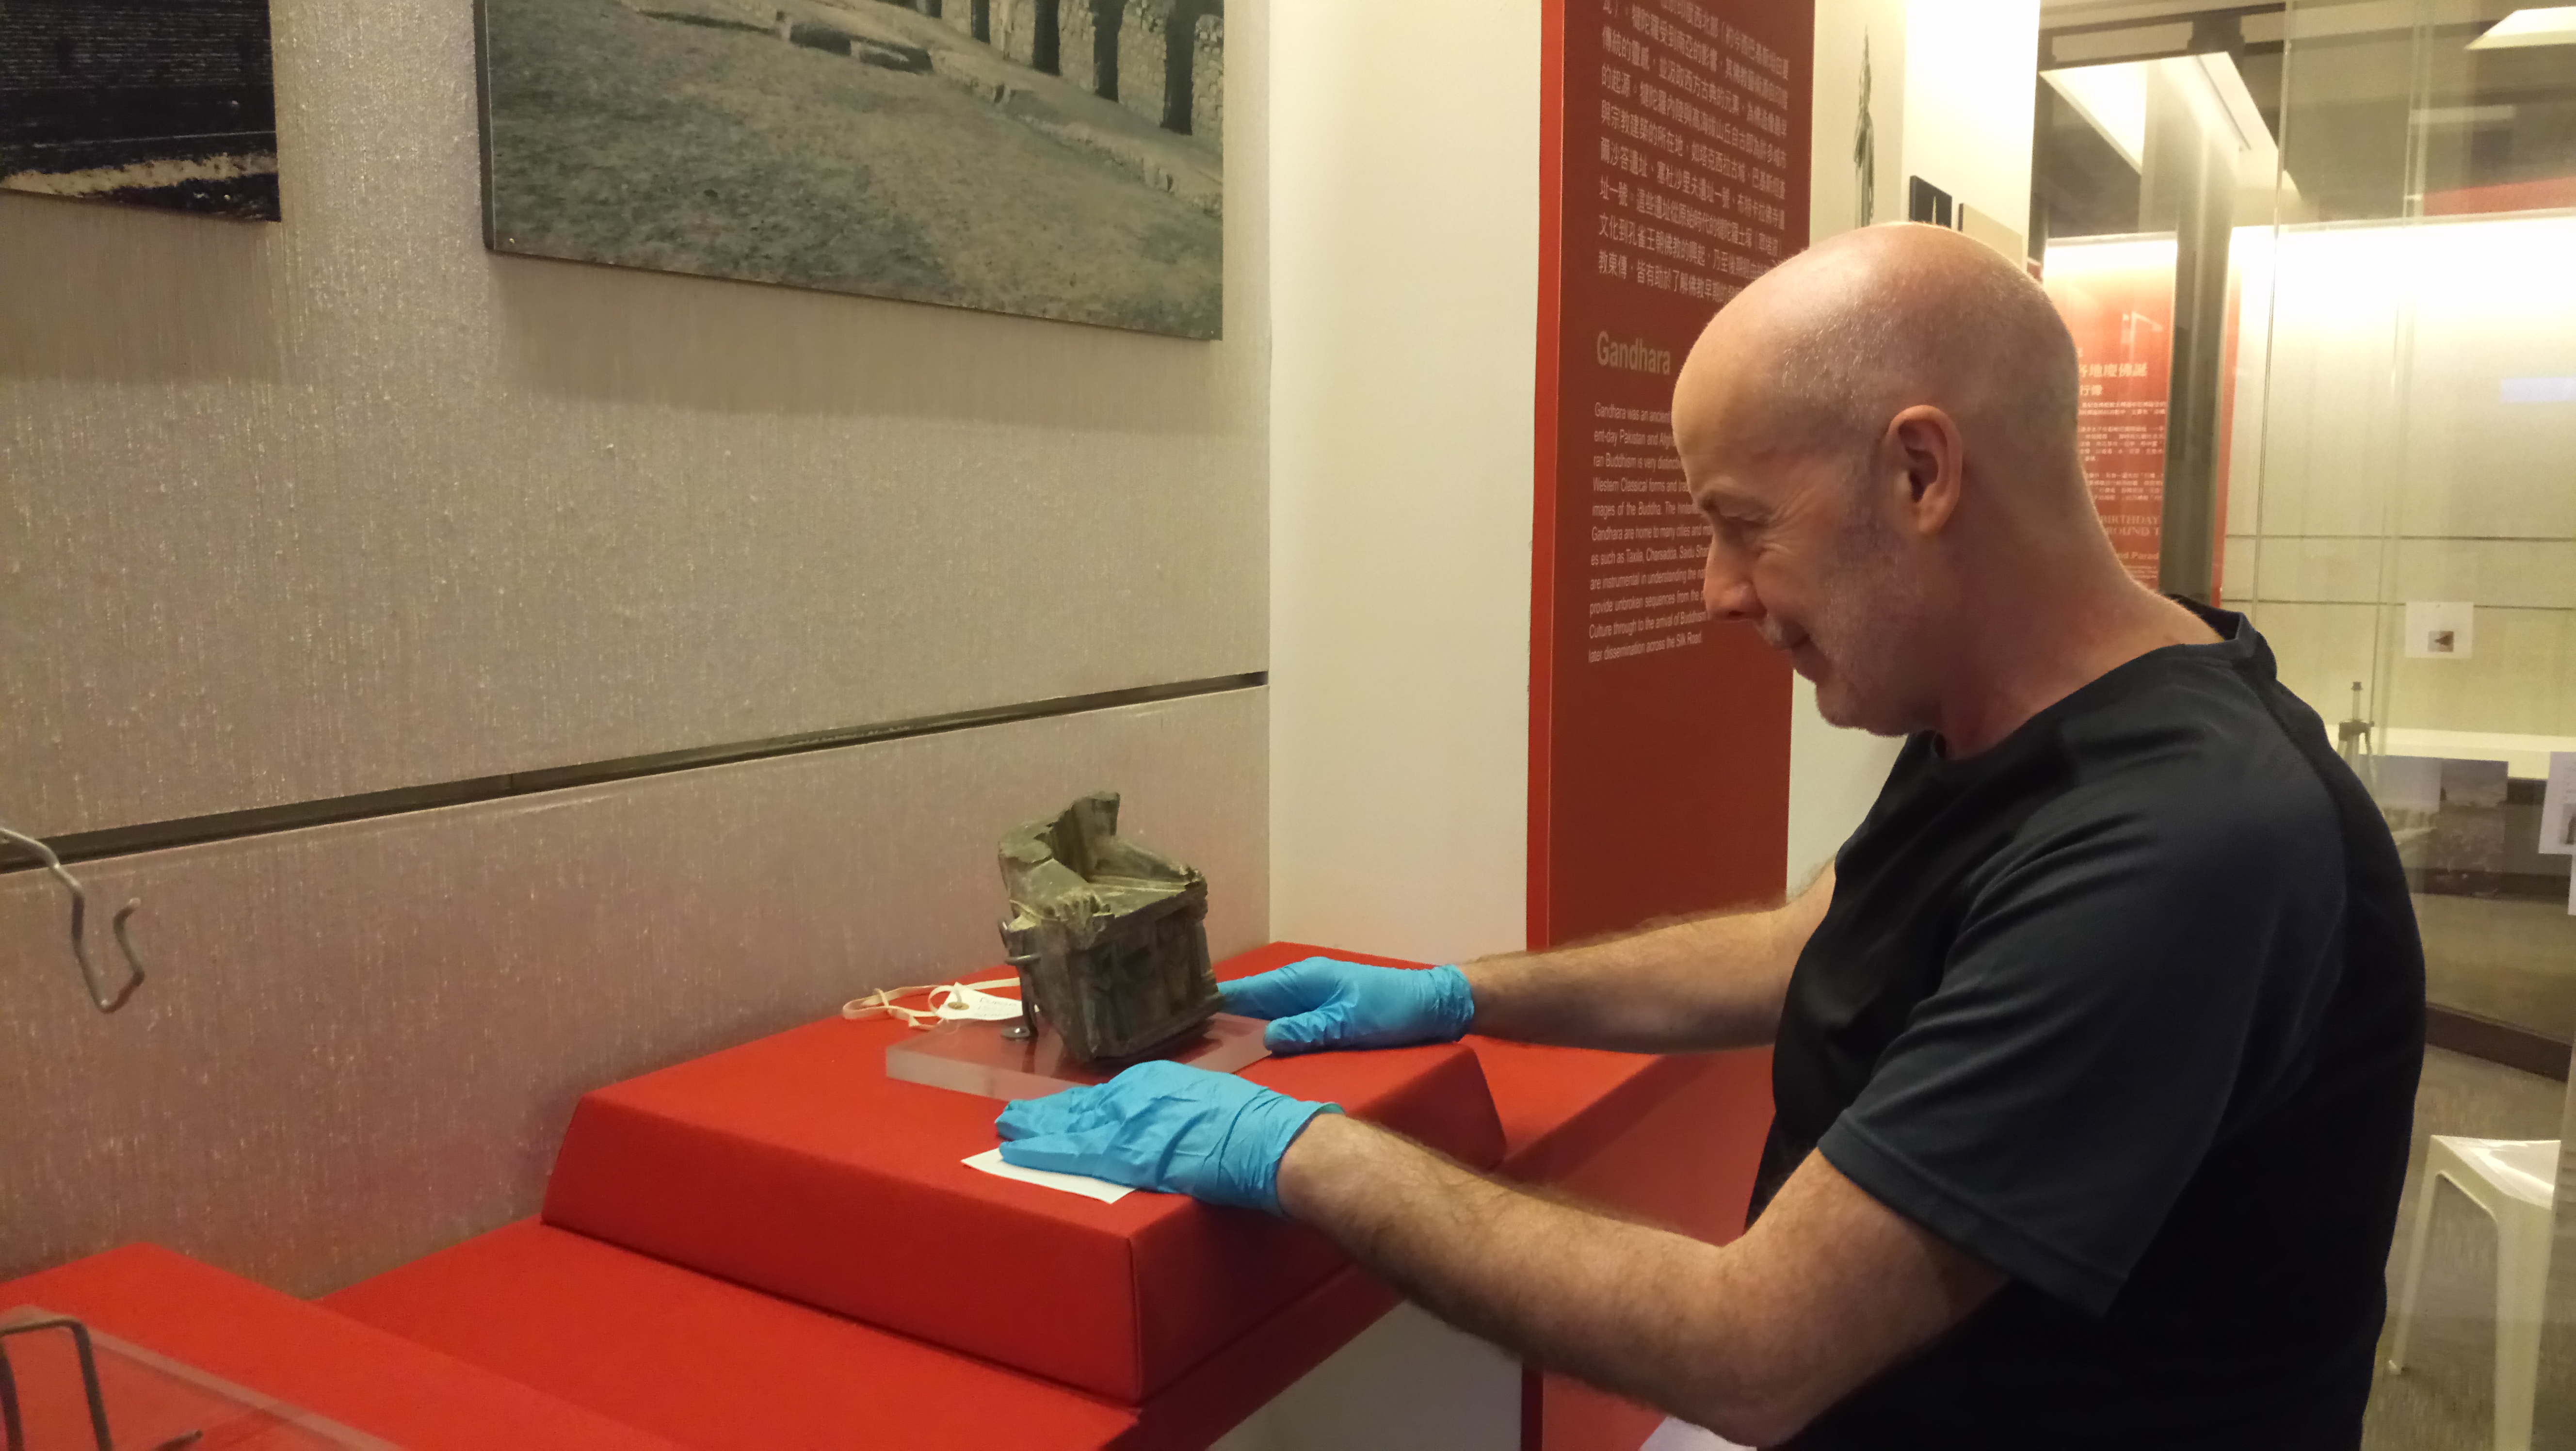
x,y
2113,98
2219,81
2538,25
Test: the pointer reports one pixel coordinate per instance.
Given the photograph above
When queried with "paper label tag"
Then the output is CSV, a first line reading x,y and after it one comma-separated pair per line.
x,y
2558,806
964,1000
990,1162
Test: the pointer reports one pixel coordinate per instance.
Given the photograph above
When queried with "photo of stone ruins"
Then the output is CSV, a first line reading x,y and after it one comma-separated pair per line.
x,y
1051,158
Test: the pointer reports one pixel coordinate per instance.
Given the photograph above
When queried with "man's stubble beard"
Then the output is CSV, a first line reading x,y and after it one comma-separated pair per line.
x,y
1861,628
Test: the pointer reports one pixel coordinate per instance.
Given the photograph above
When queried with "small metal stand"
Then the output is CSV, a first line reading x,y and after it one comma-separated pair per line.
x,y
1024,1027
12,1422
164,1404
2352,737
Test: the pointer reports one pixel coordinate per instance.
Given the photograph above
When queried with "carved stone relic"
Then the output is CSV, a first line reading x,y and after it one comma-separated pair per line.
x,y
1110,938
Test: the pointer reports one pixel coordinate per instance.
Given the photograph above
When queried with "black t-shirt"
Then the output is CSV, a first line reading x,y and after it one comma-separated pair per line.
x,y
2131,1008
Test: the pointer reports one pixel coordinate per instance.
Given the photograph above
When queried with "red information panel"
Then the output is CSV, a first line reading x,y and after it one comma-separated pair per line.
x,y
2117,298
1675,171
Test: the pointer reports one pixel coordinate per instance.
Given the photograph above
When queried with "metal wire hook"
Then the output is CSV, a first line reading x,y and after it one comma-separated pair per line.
x,y
98,994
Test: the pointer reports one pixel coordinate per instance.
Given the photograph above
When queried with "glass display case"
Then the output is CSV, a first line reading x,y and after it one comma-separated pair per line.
x,y
67,1387
2337,242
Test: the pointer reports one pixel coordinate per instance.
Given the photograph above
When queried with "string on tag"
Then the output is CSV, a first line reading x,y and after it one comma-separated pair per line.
x,y
948,1003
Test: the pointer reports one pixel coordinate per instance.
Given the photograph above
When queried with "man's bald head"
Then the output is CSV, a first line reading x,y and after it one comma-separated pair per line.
x,y
1820,353
1881,432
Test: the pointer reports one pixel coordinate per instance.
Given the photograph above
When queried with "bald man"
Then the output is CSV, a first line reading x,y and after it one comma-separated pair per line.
x,y
2096,1047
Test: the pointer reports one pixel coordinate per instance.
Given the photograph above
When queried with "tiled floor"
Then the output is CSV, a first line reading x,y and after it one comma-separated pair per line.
x,y
2444,1398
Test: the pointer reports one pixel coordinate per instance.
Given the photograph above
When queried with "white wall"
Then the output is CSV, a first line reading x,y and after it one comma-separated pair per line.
x,y
1833,188
1835,774
1407,1383
1952,91
1404,286
1971,73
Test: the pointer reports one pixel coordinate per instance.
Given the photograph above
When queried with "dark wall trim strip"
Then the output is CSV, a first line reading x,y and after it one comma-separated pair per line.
x,y
2505,1043
263,821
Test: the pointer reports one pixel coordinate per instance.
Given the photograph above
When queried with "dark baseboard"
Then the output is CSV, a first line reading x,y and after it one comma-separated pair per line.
x,y
2509,886
295,816
2505,1043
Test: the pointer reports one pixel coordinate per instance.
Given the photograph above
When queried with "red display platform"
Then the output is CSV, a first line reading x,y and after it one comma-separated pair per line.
x,y
708,1364
327,1363
717,1367
794,1165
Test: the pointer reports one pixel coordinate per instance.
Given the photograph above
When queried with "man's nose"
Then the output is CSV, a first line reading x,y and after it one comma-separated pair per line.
x,y
1726,588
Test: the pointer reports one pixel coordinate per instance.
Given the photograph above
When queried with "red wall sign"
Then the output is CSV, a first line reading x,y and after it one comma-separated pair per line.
x,y
2117,298
1675,153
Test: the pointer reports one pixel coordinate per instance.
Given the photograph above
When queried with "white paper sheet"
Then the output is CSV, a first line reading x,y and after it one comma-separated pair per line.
x,y
990,1161
2558,806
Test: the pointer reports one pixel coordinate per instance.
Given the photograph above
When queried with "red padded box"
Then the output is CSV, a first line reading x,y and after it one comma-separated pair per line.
x,y
712,1366
716,1367
794,1165
310,1357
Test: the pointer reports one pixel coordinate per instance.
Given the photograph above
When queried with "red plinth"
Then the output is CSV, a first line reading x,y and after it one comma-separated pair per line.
x,y
717,1367
796,1166
712,1366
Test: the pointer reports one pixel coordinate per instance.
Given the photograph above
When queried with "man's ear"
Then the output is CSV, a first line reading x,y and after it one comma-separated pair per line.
x,y
1923,446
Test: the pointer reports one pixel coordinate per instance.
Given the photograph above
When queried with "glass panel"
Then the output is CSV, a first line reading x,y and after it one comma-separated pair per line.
x,y
2393,435
2410,462
53,1397
2414,534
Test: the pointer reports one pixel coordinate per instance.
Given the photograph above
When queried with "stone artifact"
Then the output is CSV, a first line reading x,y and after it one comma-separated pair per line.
x,y
1110,938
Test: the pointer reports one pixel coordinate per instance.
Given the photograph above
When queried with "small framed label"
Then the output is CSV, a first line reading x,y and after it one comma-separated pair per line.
x,y
2441,629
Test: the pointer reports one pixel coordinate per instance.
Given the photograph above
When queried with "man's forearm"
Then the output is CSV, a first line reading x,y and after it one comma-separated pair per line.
x,y
1638,1310
1703,983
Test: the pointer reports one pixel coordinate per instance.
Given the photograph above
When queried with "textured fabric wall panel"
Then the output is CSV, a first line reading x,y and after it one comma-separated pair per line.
x,y
349,504
361,1042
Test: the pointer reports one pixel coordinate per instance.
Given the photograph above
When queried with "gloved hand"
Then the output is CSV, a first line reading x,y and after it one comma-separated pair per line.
x,y
1164,1126
1324,1003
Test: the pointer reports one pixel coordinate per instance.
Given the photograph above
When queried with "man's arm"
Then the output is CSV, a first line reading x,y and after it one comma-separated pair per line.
x,y
1752,1340
1702,983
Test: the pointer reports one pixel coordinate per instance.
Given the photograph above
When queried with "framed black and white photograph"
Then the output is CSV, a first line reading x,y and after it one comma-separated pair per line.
x,y
1050,158
157,103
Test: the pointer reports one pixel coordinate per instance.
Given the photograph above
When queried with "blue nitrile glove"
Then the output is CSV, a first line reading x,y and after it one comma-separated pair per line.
x,y
1164,1126
1325,1003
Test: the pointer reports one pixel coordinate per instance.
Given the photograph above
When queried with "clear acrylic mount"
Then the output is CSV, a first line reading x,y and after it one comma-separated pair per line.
x,y
973,1057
